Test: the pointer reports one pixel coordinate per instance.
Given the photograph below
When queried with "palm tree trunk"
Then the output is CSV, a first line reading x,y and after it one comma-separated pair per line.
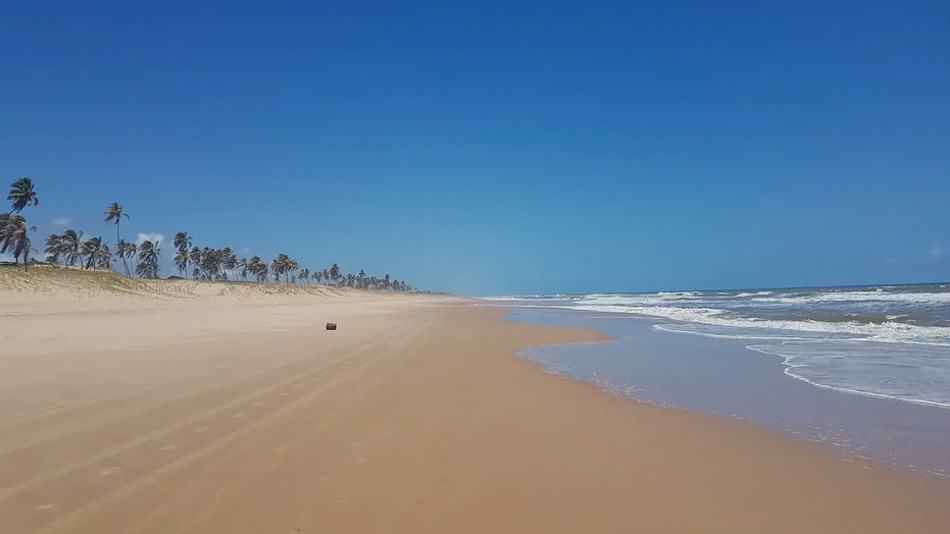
x,y
125,263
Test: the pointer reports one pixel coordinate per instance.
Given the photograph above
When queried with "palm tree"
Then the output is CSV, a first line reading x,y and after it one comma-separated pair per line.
x,y
92,249
22,194
71,246
181,261
15,237
126,251
148,260
114,214
105,257
54,248
229,261
292,267
242,264
305,276
182,243
195,257
334,272
281,265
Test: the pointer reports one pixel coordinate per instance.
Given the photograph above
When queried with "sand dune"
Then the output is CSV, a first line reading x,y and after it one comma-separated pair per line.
x,y
146,411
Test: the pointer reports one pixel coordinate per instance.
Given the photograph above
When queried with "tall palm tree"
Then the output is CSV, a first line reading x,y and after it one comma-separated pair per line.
x,y
15,237
148,255
114,214
22,194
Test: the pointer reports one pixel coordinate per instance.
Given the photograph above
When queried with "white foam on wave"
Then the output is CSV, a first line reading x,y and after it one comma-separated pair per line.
x,y
888,331
919,375
877,295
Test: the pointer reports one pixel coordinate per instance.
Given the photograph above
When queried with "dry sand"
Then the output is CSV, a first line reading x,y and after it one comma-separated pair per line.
x,y
182,407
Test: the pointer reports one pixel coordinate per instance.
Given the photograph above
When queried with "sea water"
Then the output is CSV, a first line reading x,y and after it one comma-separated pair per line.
x,y
866,369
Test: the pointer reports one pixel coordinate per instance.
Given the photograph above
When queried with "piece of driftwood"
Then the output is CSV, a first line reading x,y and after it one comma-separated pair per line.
x,y
331,326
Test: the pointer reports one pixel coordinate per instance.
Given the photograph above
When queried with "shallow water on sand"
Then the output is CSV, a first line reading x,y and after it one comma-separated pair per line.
x,y
724,377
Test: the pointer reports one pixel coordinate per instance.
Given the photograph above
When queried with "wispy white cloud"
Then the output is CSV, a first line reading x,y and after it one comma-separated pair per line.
x,y
890,261
935,251
155,238
62,221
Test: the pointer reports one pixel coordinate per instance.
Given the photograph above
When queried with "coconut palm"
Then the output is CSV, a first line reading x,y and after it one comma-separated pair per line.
x,y
126,251
15,237
71,246
293,267
148,254
105,257
334,272
182,243
54,248
242,265
281,265
181,261
229,261
92,249
114,213
195,257
22,194
304,276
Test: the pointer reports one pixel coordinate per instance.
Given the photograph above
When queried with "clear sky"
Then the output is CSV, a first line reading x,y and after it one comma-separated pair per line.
x,y
499,147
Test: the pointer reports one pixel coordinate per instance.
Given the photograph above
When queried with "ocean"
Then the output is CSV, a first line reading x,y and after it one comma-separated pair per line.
x,y
862,368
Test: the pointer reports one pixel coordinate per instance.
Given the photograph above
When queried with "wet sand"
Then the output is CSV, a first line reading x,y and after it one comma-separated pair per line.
x,y
244,416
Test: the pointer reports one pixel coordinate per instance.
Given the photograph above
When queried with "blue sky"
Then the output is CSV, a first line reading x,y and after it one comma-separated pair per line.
x,y
490,148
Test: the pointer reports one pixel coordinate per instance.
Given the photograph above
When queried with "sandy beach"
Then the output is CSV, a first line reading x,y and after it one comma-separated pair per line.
x,y
176,406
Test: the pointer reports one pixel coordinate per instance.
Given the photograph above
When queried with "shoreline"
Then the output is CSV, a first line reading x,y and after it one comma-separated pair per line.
x,y
877,430
416,416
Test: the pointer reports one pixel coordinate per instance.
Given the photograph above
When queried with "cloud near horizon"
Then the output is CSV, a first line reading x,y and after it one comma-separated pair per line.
x,y
153,237
935,251
62,221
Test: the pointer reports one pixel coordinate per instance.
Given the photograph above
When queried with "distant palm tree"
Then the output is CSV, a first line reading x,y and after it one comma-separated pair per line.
x,y
335,272
182,243
22,194
92,249
15,237
105,257
305,276
281,265
71,246
242,264
148,255
258,268
126,251
194,255
229,261
54,248
114,214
